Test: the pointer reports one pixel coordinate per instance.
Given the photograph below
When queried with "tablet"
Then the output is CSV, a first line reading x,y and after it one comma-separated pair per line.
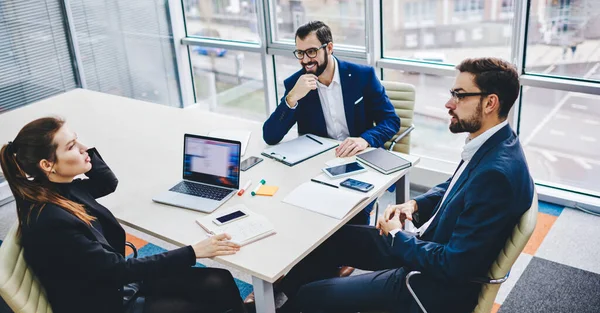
x,y
344,170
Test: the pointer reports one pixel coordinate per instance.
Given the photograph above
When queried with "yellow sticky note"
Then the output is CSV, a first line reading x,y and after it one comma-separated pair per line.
x,y
267,190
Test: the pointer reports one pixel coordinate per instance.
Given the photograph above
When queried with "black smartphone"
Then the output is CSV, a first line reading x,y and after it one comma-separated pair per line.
x,y
356,185
250,162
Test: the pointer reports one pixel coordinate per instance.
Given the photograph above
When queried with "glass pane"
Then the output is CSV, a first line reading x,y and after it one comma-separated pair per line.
x,y
562,38
559,131
284,68
222,19
127,49
447,31
230,82
431,137
345,18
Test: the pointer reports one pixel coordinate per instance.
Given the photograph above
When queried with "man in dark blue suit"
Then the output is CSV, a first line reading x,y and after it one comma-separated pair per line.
x,y
332,98
463,222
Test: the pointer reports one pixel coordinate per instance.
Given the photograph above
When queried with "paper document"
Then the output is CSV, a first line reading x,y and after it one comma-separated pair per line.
x,y
333,202
297,150
240,135
244,231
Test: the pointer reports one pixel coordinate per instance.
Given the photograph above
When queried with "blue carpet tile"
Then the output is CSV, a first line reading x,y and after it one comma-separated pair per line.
x,y
546,286
548,208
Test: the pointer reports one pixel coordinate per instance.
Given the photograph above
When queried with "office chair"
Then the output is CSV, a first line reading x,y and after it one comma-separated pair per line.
x,y
402,96
19,287
501,267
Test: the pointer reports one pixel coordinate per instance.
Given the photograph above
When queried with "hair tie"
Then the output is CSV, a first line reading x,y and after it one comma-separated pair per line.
x,y
9,147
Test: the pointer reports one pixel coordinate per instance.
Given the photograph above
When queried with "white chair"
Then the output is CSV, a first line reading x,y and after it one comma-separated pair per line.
x,y
19,287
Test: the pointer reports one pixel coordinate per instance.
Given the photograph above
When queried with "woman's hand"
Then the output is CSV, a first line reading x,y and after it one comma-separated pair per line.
x,y
215,246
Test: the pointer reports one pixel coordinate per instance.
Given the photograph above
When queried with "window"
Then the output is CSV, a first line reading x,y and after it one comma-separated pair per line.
x,y
508,5
222,19
458,30
35,58
562,40
346,19
229,82
560,134
286,66
431,136
127,49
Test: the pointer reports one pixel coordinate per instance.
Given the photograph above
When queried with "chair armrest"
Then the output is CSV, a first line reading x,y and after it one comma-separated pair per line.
x,y
479,280
414,295
132,246
490,281
402,135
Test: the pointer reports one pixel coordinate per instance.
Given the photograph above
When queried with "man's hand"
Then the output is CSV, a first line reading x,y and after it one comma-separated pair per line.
x,y
304,85
350,147
386,226
401,211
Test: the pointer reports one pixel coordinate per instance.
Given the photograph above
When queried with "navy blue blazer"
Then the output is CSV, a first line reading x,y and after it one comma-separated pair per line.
x,y
472,227
365,103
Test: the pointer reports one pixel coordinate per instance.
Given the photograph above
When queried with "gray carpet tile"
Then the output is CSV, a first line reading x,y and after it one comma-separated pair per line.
x,y
547,286
515,274
573,240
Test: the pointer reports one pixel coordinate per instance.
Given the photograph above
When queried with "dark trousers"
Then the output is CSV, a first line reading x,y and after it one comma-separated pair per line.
x,y
312,285
363,217
191,290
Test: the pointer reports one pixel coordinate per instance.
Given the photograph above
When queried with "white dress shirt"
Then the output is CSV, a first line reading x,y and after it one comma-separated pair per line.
x,y
469,150
332,103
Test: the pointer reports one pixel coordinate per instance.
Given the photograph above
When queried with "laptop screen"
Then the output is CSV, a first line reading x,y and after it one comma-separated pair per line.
x,y
211,161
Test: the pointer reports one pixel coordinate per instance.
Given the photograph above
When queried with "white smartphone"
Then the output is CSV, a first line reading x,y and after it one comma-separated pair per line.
x,y
230,217
344,170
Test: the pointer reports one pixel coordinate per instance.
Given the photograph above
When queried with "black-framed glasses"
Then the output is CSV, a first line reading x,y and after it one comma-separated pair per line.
x,y
311,53
457,96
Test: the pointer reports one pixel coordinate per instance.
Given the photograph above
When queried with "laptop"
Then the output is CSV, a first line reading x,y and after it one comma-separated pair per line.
x,y
211,174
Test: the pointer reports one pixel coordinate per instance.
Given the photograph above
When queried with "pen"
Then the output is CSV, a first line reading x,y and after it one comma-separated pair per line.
x,y
241,192
260,183
313,139
324,183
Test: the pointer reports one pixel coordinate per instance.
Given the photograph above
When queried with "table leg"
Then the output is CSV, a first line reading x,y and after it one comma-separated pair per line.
x,y
263,295
403,189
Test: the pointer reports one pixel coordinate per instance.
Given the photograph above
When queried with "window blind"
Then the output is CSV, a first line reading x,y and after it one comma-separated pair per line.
x,y
126,48
35,56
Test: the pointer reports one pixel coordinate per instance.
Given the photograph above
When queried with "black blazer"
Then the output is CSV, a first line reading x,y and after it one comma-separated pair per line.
x,y
83,268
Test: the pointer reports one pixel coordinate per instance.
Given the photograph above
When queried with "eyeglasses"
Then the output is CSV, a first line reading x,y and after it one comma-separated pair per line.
x,y
311,53
457,96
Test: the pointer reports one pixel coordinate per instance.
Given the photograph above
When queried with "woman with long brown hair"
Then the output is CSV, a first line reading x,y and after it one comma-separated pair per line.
x,y
76,247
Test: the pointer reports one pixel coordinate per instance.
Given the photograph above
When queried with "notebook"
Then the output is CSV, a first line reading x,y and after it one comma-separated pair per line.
x,y
384,161
243,231
240,135
333,202
300,149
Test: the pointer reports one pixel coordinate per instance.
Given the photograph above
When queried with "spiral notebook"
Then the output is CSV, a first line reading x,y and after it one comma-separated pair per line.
x,y
300,149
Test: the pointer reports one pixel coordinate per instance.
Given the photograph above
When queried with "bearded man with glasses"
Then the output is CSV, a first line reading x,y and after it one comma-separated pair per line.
x,y
332,98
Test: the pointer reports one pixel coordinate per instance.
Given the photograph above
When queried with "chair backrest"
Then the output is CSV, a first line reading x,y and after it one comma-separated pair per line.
x,y
19,287
402,96
507,257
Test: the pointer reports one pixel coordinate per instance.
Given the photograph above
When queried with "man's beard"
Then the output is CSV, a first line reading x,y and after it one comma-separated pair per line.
x,y
320,68
471,124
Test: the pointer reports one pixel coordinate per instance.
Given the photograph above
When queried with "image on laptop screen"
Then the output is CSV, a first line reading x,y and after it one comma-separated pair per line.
x,y
211,162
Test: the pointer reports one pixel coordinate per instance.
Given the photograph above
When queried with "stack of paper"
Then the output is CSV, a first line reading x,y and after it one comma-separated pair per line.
x,y
240,135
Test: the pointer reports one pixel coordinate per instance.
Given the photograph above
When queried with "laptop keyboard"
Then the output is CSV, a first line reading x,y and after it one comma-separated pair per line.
x,y
200,190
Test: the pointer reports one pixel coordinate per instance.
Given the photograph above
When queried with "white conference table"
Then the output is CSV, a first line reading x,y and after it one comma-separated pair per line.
x,y
143,143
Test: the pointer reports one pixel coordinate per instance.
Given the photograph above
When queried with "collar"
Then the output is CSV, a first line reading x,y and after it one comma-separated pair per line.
x,y
472,145
336,75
